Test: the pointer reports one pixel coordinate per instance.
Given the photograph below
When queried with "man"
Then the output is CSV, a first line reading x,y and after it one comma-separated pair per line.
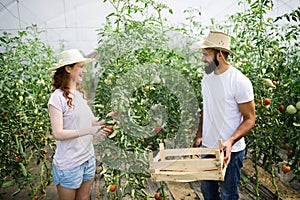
x,y
228,113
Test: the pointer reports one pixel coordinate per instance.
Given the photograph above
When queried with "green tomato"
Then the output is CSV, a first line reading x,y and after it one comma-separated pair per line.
x,y
266,55
108,82
268,82
20,82
147,89
110,77
298,105
291,109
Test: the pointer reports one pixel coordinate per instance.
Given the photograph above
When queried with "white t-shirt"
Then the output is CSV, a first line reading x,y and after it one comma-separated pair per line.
x,y
221,95
72,153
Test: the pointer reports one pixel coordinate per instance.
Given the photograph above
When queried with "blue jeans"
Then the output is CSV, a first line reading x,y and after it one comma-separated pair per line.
x,y
227,189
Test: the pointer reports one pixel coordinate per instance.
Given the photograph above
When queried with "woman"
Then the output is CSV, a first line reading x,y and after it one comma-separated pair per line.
x,y
73,127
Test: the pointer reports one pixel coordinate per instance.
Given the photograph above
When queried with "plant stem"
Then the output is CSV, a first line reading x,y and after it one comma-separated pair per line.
x,y
163,190
274,182
256,176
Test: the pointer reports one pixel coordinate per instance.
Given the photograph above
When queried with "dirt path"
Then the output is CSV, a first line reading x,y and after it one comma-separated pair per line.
x,y
285,190
175,191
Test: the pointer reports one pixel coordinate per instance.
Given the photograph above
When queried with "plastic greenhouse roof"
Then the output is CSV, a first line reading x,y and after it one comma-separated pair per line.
x,y
75,21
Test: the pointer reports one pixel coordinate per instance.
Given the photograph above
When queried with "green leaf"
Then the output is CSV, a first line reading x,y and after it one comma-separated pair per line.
x,y
113,134
16,192
8,183
24,171
22,33
296,124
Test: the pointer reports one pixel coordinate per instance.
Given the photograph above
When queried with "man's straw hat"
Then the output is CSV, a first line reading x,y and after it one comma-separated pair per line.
x,y
70,57
215,40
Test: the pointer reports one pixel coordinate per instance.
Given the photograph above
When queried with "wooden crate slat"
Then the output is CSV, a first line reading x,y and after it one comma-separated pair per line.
x,y
188,176
187,164
218,154
151,159
189,151
162,151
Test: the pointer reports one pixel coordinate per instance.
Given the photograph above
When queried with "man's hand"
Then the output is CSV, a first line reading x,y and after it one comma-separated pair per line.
x,y
227,146
197,142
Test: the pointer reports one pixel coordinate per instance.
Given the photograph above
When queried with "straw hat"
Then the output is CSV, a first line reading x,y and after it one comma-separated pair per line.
x,y
70,57
215,40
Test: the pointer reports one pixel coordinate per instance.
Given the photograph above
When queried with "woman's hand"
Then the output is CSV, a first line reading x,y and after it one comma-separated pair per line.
x,y
113,114
101,122
101,131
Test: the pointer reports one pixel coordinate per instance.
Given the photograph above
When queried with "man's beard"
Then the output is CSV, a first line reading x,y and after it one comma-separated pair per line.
x,y
211,66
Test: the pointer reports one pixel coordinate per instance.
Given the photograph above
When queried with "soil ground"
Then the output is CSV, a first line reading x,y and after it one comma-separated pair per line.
x,y
176,191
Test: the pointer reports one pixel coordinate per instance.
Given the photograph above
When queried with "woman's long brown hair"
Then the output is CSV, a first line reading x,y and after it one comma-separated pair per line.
x,y
61,79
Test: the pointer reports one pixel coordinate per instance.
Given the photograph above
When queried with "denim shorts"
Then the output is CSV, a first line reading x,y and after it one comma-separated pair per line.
x,y
73,178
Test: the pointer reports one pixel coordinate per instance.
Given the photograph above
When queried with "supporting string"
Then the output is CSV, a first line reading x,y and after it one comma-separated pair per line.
x,y
19,14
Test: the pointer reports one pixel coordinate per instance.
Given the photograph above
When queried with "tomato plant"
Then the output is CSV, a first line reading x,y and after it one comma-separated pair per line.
x,y
148,84
138,55
267,56
25,86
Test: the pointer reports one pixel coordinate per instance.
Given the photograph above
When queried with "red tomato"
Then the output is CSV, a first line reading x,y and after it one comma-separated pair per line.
x,y
280,108
157,129
112,187
259,101
285,168
156,196
288,153
110,127
267,101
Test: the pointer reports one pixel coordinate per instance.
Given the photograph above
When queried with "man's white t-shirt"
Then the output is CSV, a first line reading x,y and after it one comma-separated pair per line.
x,y
72,153
221,116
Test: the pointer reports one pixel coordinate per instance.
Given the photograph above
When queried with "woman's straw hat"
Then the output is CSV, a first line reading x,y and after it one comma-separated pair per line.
x,y
215,40
70,57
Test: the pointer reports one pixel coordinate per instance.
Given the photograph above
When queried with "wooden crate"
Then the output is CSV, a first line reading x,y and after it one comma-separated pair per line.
x,y
185,165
